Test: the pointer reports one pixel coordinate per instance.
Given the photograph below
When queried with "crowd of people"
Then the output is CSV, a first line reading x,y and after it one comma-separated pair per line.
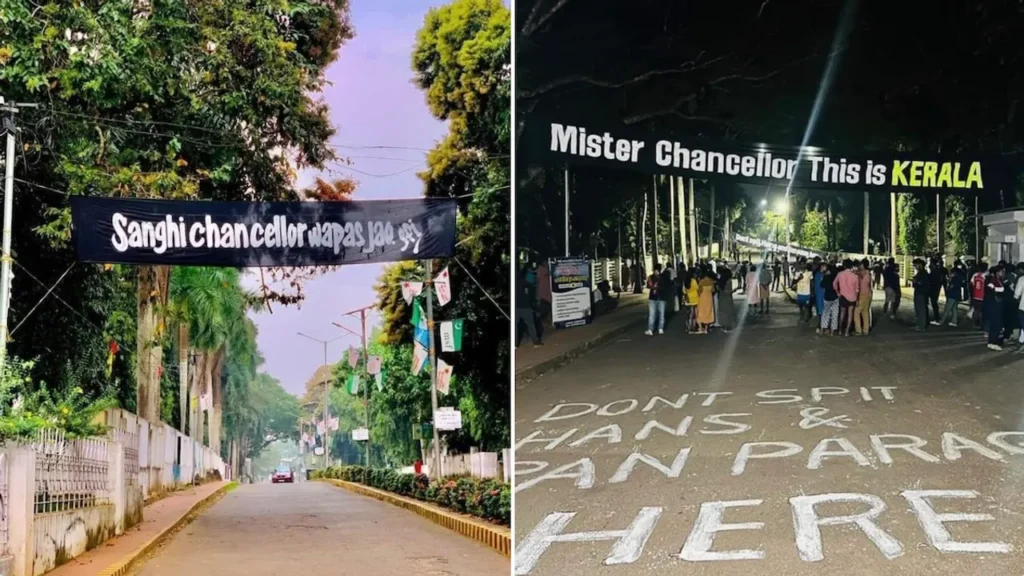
x,y
838,295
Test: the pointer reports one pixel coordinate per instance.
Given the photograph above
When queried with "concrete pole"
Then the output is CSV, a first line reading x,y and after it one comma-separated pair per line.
x,y
327,398
893,239
654,222
672,218
566,214
428,290
366,385
867,214
681,195
977,231
711,224
693,224
940,225
5,258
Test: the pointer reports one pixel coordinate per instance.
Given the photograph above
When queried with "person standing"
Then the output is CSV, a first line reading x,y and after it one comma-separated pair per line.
x,y
624,278
862,314
692,296
776,276
804,280
954,292
764,280
936,282
830,297
1018,295
726,315
543,297
525,308
995,293
819,294
893,292
753,290
786,272
743,275
705,302
848,285
655,302
978,295
922,291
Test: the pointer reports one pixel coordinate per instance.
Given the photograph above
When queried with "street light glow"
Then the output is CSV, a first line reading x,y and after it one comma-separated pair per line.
x,y
782,206
764,202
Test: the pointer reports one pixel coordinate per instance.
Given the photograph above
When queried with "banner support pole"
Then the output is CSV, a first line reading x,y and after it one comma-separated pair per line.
x,y
428,289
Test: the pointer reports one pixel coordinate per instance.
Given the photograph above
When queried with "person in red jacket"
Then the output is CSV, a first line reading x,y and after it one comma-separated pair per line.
x,y
978,294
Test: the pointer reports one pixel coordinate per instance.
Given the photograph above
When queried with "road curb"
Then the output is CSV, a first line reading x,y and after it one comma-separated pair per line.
x,y
122,566
571,354
495,537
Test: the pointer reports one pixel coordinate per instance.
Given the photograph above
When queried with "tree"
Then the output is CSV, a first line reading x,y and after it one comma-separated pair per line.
x,y
462,61
960,225
814,229
911,221
208,100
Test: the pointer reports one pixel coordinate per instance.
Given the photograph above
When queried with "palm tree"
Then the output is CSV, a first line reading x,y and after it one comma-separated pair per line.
x,y
210,305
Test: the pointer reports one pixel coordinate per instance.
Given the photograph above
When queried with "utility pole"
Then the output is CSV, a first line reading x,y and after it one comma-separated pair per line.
x,y
366,369
7,127
433,363
327,397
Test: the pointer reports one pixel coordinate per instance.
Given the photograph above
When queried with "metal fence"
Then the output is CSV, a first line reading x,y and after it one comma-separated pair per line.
x,y
4,502
70,474
130,441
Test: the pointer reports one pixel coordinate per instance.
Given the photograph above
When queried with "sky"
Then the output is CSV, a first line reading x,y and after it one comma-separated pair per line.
x,y
373,103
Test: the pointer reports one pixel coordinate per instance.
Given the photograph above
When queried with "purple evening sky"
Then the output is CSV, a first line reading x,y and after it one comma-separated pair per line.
x,y
373,103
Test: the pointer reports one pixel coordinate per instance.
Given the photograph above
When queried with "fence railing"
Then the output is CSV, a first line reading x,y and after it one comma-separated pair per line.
x,y
70,474
4,503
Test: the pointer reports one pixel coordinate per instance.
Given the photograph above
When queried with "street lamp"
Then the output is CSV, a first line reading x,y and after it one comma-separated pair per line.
x,y
327,449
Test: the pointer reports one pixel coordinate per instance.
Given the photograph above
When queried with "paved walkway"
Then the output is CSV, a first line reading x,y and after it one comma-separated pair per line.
x,y
562,345
317,528
772,450
156,518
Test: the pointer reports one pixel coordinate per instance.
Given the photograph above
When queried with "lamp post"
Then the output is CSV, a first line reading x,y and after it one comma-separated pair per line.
x,y
327,379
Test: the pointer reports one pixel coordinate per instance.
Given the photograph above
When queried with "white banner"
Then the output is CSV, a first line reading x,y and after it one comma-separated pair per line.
x,y
411,290
353,356
419,357
447,419
443,285
444,376
373,366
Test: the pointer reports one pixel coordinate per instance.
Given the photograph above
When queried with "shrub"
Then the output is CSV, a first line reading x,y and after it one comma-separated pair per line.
x,y
483,498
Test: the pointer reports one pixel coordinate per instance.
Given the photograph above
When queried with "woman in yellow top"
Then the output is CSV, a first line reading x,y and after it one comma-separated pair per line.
x,y
692,296
705,302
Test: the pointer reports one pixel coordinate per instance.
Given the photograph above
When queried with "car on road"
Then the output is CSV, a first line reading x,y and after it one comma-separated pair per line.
x,y
283,474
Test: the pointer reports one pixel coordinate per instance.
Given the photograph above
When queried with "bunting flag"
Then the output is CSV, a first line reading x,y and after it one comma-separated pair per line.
x,y
320,428
113,348
419,357
353,356
443,285
379,377
353,384
411,290
444,376
451,336
373,365
332,424
421,334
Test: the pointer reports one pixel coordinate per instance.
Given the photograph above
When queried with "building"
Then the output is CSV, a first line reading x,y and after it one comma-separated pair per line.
x,y
1005,240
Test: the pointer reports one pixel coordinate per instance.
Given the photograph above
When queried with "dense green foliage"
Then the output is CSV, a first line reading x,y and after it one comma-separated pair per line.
x,y
487,499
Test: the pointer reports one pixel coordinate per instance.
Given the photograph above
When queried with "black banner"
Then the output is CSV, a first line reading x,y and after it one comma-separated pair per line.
x,y
570,292
241,234
629,148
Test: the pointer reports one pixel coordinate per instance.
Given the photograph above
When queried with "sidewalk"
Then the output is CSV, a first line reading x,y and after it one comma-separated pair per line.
x,y
561,346
158,518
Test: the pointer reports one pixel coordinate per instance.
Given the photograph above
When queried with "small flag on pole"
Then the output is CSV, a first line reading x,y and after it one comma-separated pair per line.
x,y
443,284
353,356
419,357
332,424
379,377
353,384
451,336
421,333
373,365
444,376
411,290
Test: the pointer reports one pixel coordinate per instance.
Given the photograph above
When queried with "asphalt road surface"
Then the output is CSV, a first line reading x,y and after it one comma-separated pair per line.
x,y
315,528
774,451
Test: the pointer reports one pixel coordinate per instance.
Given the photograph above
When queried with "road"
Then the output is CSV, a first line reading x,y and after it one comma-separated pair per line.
x,y
316,528
774,451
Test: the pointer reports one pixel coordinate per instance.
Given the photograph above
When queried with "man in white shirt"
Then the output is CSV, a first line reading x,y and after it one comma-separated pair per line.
x,y
1018,294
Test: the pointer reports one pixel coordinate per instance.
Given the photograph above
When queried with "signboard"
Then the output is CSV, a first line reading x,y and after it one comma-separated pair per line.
x,y
237,234
360,434
319,451
451,336
447,419
664,152
774,247
570,292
